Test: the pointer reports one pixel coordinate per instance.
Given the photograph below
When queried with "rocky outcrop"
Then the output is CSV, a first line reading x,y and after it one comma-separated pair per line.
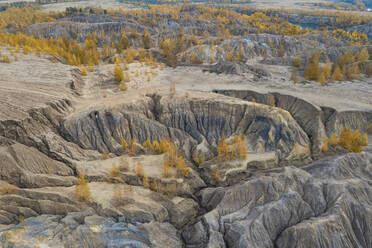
x,y
109,200
17,204
88,230
308,116
188,122
27,167
321,205
367,29
40,128
307,20
223,173
354,119
238,68
78,30
318,122
325,203
137,204
61,138
274,49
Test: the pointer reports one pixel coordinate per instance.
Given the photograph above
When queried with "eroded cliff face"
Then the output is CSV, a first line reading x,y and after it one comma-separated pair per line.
x,y
254,203
190,122
325,204
40,128
27,167
318,122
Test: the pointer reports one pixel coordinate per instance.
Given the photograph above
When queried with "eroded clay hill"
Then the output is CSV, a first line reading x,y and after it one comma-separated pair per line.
x,y
61,133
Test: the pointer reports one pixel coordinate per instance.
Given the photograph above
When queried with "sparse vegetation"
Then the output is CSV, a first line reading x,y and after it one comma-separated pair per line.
x,y
223,150
346,66
8,189
297,61
170,190
352,141
312,70
5,59
83,71
125,43
324,147
124,145
118,196
133,147
148,145
82,190
236,150
181,167
337,74
118,73
146,40
104,155
166,170
171,156
123,86
172,88
114,171
139,170
294,76
124,165
295,152
333,140
198,157
98,95
216,174
146,182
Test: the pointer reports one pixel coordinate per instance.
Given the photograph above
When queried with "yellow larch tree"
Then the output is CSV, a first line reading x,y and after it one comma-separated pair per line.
x,y
337,74
83,71
118,73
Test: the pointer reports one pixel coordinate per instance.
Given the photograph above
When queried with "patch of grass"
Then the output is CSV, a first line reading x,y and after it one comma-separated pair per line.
x,y
216,175
82,190
83,71
9,189
5,59
114,171
324,147
104,155
118,196
139,170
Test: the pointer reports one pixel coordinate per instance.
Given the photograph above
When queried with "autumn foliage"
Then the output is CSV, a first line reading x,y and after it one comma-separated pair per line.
x,y
352,141
237,149
82,190
118,73
71,51
173,160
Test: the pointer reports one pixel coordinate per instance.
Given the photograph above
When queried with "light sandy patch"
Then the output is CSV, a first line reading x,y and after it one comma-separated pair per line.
x,y
152,165
102,4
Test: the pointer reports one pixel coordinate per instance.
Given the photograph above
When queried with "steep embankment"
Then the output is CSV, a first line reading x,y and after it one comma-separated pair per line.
x,y
50,135
318,122
326,204
190,122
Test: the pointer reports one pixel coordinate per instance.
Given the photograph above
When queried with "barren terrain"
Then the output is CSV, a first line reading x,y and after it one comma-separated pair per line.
x,y
188,127
67,94
106,4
